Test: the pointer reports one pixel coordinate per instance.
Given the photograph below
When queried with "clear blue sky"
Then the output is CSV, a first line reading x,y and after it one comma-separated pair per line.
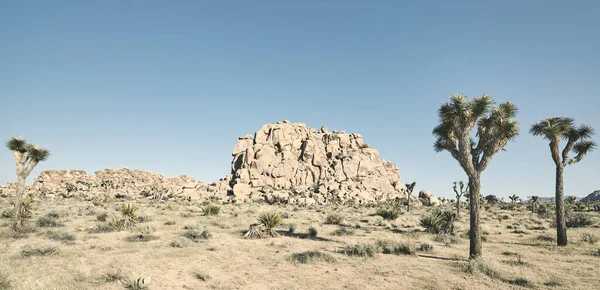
x,y
169,86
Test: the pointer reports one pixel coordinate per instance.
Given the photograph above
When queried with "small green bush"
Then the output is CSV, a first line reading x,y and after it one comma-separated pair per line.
x,y
101,217
334,219
311,257
396,248
578,220
48,222
113,276
60,236
5,282
589,238
343,231
428,248
211,209
361,250
180,243
170,223
313,232
195,234
38,250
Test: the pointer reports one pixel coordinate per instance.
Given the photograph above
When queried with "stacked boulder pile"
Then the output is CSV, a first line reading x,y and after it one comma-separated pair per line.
x,y
293,163
283,162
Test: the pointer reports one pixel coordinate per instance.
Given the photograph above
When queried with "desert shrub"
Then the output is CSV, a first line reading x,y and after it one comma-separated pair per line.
x,y
211,209
389,212
361,250
195,234
101,217
517,231
478,266
101,229
180,243
48,222
291,228
270,220
5,282
202,276
7,213
334,219
397,248
136,284
439,222
428,248
508,253
578,220
589,238
313,232
446,239
310,257
553,283
523,282
113,276
141,238
170,223
30,250
545,238
60,236
343,231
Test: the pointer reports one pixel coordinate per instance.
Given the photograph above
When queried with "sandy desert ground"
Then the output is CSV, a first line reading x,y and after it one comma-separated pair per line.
x,y
67,249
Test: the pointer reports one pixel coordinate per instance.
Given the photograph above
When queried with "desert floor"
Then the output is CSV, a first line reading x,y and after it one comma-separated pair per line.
x,y
518,250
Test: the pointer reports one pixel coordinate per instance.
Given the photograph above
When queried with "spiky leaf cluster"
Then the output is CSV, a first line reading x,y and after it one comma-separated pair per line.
x,y
496,126
563,128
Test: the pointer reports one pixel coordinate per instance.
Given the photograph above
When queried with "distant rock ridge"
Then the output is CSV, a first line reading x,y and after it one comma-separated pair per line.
x,y
282,162
594,196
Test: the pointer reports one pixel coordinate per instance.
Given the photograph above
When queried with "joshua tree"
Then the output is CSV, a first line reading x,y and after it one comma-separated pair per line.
x,y
27,156
495,127
534,201
571,200
578,141
409,189
513,199
459,193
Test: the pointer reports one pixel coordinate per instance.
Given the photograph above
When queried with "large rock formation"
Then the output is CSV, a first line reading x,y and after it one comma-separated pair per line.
x,y
282,162
292,157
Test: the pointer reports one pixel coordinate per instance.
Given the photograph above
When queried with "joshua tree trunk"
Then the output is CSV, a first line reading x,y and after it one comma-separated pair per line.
x,y
475,250
18,221
561,226
458,206
408,203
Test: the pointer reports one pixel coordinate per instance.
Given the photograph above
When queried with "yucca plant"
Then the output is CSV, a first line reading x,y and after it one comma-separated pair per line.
x,y
270,220
129,214
256,231
25,206
439,222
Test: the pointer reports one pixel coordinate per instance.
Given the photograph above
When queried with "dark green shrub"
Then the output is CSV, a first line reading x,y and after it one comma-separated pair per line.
x,y
334,219
211,209
310,257
362,250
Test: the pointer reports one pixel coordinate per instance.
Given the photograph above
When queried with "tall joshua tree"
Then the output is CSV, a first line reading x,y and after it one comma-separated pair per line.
x,y
495,127
27,156
513,198
578,141
459,193
534,201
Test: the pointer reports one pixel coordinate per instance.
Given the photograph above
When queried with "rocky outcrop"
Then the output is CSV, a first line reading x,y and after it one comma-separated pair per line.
x,y
282,162
122,180
594,196
292,157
